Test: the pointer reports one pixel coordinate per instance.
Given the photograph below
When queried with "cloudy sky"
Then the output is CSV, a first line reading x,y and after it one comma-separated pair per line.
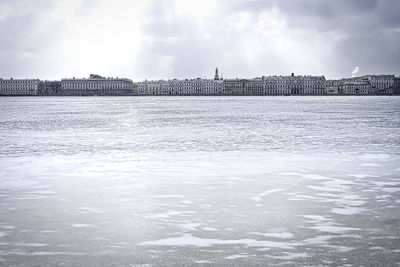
x,y
153,39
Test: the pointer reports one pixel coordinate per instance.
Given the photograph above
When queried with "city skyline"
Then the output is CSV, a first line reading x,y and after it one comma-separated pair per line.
x,y
178,39
266,85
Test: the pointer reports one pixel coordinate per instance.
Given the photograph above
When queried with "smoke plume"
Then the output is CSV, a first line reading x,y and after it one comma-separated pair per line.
x,y
354,72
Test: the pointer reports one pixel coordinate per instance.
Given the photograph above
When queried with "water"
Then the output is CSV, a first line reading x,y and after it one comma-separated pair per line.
x,y
238,181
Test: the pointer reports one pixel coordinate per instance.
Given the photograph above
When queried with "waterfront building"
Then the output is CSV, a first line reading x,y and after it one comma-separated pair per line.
x,y
276,85
97,85
396,89
185,87
197,86
147,87
159,87
235,86
332,87
356,88
314,85
381,84
181,87
19,87
294,85
205,86
272,85
254,86
244,86
49,88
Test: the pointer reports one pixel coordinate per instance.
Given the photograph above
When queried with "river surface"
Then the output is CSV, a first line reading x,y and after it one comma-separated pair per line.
x,y
199,181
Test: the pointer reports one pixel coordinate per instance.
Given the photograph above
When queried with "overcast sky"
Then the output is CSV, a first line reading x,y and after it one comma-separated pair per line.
x,y
154,39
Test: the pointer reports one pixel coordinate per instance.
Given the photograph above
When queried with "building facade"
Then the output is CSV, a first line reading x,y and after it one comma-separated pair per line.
x,y
294,85
332,87
19,87
97,85
276,85
244,86
396,90
181,87
381,84
356,88
364,85
49,88
271,85
235,86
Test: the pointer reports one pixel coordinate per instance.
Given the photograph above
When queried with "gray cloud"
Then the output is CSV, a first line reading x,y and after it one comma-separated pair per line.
x,y
243,38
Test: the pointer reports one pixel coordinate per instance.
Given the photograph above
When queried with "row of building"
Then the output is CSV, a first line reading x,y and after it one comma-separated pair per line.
x,y
365,85
266,85
94,85
274,85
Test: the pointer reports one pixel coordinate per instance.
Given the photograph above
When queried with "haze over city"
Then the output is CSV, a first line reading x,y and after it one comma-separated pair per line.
x,y
185,39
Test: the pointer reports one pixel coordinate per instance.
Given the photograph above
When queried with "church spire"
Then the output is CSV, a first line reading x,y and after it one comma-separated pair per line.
x,y
216,77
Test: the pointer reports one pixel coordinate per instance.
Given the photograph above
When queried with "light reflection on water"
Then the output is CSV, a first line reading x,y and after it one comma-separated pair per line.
x,y
199,180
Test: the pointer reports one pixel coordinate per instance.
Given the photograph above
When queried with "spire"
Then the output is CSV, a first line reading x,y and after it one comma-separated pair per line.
x,y
216,77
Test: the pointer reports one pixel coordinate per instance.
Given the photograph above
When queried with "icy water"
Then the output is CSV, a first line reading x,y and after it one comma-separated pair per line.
x,y
199,181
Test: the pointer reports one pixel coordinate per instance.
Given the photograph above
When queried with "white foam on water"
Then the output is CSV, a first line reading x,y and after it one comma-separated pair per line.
x,y
204,262
325,188
383,184
191,226
167,214
361,176
209,229
390,189
168,196
290,173
82,225
371,165
317,218
31,244
341,249
292,256
331,228
91,210
348,210
3,234
189,240
260,196
313,176
234,257
377,248
382,157
318,240
274,235
298,196
8,227
43,192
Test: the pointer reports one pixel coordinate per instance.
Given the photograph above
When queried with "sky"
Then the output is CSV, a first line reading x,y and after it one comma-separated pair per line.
x,y
155,39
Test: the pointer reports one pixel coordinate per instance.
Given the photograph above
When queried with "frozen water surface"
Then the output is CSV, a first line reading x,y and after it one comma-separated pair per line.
x,y
169,181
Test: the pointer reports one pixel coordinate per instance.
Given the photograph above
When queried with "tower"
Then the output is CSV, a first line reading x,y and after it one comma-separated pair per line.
x,y
216,77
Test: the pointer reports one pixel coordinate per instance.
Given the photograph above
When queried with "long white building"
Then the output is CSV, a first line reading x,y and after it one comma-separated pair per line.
x,y
294,85
267,85
19,87
97,85
181,87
